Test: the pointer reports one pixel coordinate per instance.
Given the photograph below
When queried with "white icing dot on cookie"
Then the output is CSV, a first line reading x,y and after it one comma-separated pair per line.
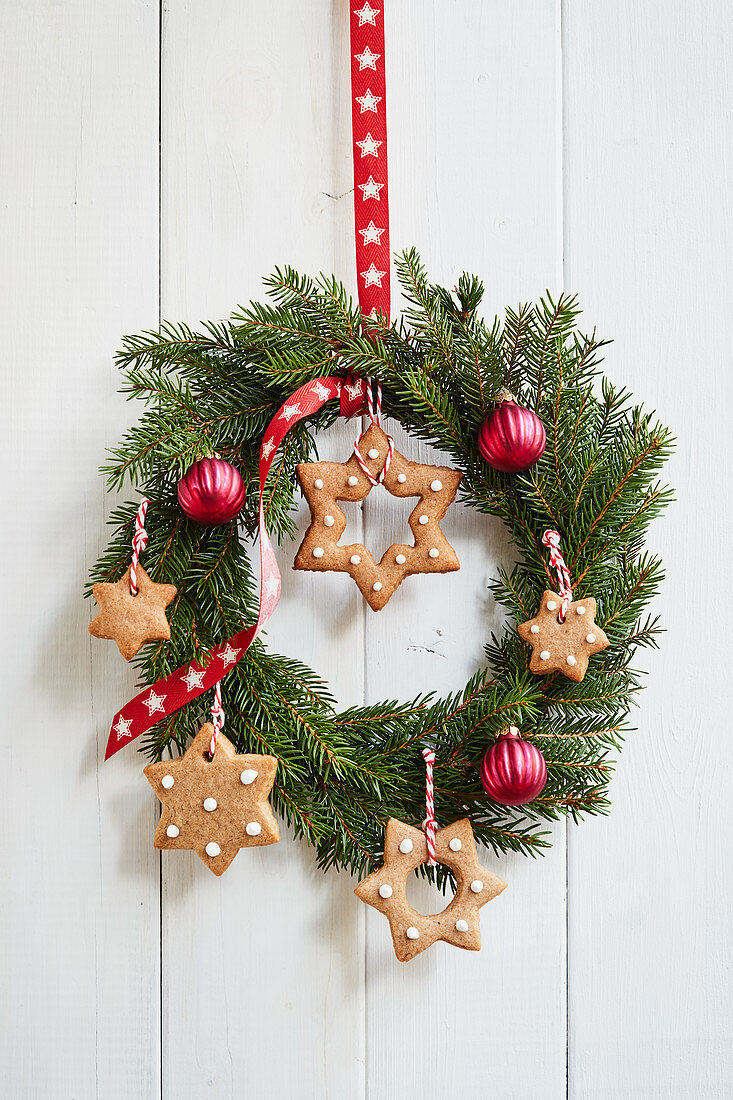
x,y
377,586
353,480
455,844
172,830
477,886
590,638
248,776
461,926
167,781
402,478
571,660
580,610
354,559
551,605
209,804
385,891
212,849
253,828
329,521
400,559
436,485
545,655
534,629
434,552
412,933
318,483
373,452
317,551
423,519
406,845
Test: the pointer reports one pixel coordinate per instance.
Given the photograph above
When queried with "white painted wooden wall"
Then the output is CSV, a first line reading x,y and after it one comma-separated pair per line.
x,y
158,161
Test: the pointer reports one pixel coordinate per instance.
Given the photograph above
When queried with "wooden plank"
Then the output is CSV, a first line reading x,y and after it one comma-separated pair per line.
x,y
79,946
253,150
648,170
475,171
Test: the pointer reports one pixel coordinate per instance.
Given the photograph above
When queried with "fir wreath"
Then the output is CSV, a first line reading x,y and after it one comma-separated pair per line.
x,y
341,775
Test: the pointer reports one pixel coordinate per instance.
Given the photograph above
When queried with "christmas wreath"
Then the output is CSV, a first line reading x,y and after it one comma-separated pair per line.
x,y
443,371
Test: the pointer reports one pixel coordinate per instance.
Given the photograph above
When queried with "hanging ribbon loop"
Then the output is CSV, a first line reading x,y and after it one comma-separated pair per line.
x,y
139,542
551,539
430,825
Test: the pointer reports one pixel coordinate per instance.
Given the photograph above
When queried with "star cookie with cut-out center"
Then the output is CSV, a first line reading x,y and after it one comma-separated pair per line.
x,y
325,483
129,620
405,849
214,807
563,647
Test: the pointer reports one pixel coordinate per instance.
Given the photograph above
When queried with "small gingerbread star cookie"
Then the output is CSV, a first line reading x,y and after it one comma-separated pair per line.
x,y
563,647
214,807
129,620
405,849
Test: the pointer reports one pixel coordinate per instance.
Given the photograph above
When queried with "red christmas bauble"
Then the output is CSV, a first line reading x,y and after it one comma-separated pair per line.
x,y
511,438
513,771
211,491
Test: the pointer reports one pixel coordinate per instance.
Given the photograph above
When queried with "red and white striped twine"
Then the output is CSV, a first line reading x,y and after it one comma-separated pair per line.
x,y
217,718
430,825
374,417
139,542
551,539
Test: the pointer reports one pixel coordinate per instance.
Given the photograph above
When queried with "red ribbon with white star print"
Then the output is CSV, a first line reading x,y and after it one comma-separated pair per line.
x,y
191,680
371,209
371,189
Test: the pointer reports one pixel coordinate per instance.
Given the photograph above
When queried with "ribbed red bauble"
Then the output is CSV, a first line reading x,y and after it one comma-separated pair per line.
x,y
211,491
513,771
511,438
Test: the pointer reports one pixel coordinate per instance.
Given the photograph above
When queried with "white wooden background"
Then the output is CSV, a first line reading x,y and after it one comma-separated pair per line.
x,y
156,161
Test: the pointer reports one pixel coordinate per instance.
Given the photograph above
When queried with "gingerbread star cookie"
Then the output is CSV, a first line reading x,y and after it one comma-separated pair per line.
x,y
563,647
129,620
214,807
325,483
405,849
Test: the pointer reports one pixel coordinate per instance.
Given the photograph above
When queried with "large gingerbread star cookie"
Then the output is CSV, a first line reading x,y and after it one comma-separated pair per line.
x,y
129,620
563,647
405,849
214,807
325,483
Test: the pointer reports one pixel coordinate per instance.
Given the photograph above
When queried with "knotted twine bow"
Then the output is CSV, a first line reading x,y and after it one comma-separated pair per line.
x,y
551,539
430,825
139,542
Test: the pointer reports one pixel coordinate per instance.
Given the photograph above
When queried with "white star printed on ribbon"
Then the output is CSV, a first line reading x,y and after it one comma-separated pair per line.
x,y
373,276
367,14
353,389
370,189
122,729
193,679
154,703
369,146
272,586
368,101
289,411
372,235
322,391
367,59
268,448
229,654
